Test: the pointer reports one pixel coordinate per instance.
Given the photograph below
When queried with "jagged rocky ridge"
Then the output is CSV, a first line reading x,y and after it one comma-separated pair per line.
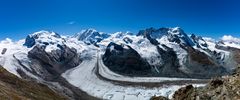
x,y
91,36
171,44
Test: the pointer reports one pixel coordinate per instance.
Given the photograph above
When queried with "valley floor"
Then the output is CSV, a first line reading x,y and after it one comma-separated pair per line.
x,y
85,78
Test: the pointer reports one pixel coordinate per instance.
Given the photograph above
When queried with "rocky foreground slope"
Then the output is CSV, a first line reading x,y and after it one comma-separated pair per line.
x,y
14,88
225,88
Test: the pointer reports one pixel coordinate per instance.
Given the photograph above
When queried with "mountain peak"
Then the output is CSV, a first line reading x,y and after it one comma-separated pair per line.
x,y
44,33
158,33
176,30
90,36
89,30
42,37
173,35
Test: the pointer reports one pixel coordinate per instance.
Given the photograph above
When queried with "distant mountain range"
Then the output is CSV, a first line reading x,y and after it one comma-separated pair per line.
x,y
71,65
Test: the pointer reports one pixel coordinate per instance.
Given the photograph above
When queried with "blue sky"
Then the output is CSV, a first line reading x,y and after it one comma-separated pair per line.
x,y
212,18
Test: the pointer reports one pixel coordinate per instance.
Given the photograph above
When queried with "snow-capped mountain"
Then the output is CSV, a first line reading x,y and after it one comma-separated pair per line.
x,y
172,53
43,57
199,41
96,65
91,36
228,40
43,38
171,34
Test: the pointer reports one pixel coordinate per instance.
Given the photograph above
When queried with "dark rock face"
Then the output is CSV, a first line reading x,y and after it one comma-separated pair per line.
x,y
125,61
196,40
170,67
184,93
56,61
197,65
29,41
4,51
202,66
127,40
234,51
159,98
234,58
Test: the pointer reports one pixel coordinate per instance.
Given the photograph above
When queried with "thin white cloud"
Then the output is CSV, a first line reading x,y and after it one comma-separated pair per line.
x,y
71,23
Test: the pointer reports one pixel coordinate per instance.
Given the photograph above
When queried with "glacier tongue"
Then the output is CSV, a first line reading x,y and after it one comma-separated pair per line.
x,y
85,78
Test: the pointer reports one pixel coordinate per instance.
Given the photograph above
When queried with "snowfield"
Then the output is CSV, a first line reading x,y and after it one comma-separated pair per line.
x,y
6,59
